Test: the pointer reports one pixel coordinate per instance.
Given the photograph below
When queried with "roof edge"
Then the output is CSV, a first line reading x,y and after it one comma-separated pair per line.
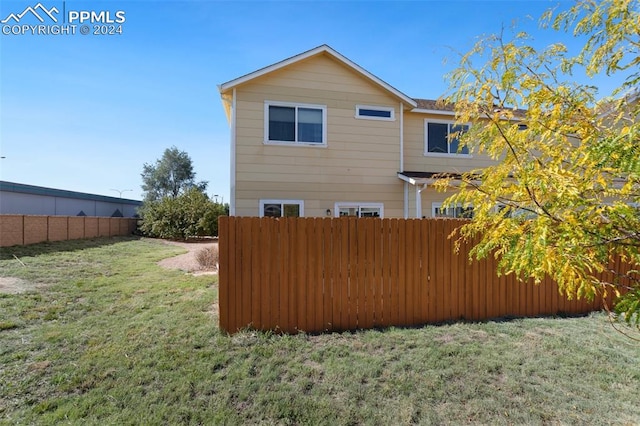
x,y
224,87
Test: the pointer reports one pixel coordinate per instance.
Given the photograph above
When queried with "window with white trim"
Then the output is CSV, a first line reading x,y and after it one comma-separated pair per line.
x,y
442,138
290,123
458,211
369,112
281,208
359,209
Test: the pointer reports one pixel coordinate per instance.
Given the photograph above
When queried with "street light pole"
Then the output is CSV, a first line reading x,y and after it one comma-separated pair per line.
x,y
120,191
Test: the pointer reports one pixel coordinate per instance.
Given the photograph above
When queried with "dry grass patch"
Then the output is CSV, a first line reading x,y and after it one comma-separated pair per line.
x,y
208,258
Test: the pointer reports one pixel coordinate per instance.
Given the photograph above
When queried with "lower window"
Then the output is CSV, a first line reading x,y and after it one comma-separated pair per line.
x,y
458,211
359,209
281,208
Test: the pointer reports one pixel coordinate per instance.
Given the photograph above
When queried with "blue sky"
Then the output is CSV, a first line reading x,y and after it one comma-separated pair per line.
x,y
84,112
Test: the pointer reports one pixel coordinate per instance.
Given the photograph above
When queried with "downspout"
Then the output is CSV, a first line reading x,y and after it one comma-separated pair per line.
x,y
419,200
401,138
232,201
406,185
406,200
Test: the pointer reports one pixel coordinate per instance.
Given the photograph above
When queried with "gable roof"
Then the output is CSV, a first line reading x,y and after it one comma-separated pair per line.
x,y
323,49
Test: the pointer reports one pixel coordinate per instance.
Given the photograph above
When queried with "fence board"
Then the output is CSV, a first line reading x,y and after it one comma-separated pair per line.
x,y
224,274
328,274
369,279
317,274
401,282
416,261
394,269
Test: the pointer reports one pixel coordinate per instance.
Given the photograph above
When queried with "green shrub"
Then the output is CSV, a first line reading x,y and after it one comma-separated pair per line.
x,y
191,214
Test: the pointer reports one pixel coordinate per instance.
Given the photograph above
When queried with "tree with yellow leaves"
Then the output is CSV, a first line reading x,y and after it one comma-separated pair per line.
x,y
563,198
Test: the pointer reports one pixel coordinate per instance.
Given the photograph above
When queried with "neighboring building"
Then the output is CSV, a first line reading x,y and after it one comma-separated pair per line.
x,y
317,135
17,198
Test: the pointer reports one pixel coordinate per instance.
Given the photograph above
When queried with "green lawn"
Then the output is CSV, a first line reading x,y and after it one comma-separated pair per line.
x,y
111,338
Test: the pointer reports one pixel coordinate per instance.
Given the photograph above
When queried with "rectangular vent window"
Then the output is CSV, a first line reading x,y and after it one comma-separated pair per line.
x,y
375,113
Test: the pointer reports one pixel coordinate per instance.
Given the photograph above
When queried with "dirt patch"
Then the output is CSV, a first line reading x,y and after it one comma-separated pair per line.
x,y
188,262
11,285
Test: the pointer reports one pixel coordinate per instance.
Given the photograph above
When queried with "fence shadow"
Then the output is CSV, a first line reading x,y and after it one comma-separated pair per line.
x,y
7,253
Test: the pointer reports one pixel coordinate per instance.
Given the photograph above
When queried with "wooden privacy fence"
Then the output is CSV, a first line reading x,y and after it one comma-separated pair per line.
x,y
325,274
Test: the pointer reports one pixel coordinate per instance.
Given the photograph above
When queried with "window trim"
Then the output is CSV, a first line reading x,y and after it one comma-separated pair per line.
x,y
348,204
375,108
282,202
438,204
295,105
441,154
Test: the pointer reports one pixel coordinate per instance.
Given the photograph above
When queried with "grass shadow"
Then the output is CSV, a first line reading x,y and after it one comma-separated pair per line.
x,y
8,253
392,328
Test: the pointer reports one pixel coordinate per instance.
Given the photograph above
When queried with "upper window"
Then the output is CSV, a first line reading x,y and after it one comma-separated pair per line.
x,y
359,209
458,212
375,112
281,208
442,138
295,123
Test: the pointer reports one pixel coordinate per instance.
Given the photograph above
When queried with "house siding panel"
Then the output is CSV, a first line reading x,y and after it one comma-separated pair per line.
x,y
416,161
359,163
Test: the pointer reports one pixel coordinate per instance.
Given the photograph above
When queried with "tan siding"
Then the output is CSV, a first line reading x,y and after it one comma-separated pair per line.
x,y
359,163
414,158
361,159
324,196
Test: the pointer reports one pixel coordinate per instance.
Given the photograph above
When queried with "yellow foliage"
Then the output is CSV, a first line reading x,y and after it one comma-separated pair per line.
x,y
559,200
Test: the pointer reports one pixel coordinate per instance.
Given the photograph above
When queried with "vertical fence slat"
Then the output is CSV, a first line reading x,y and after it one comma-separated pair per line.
x,y
244,305
308,314
370,279
433,265
385,262
224,242
394,270
402,282
454,281
361,279
409,273
256,295
446,273
236,286
352,303
440,268
268,292
426,267
343,284
320,291
487,287
416,260
329,270
475,292
300,301
336,235
378,267
285,274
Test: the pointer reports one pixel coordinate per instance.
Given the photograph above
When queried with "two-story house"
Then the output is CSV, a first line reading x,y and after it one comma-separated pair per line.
x,y
318,135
